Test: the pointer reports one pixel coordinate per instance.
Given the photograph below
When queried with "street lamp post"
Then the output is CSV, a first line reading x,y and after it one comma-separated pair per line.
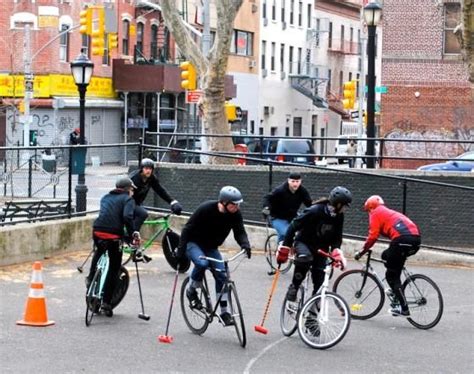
x,y
372,15
81,69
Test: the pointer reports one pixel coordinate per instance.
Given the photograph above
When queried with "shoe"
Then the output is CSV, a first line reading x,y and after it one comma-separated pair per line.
x,y
227,319
312,326
107,309
397,311
193,298
291,293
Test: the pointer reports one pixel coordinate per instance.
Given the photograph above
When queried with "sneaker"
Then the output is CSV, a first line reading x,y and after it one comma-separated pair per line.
x,y
291,293
312,326
397,311
193,298
107,309
227,319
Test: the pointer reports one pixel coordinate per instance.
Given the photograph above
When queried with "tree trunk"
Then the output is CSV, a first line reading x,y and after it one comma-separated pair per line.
x,y
465,34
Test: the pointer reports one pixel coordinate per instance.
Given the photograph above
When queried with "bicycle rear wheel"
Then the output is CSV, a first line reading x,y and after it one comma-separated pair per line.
x,y
323,322
364,295
196,319
121,287
237,315
424,300
271,247
289,313
93,297
170,243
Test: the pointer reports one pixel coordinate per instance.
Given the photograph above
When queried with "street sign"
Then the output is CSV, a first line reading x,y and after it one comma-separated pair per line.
x,y
354,114
192,97
378,89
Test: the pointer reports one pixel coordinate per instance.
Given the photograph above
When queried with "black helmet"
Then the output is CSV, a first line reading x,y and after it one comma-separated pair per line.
x,y
124,183
147,163
341,195
229,194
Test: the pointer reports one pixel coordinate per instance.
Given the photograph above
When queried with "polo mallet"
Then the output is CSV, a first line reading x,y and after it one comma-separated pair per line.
x,y
142,315
260,328
167,338
81,268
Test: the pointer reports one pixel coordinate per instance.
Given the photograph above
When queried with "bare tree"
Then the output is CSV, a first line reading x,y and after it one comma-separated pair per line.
x,y
211,68
465,33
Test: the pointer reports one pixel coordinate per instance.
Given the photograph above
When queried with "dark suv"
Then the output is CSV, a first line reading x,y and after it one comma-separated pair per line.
x,y
283,150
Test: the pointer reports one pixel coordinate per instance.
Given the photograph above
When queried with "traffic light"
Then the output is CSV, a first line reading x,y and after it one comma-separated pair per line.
x,y
21,106
349,94
188,76
112,40
98,33
85,20
231,112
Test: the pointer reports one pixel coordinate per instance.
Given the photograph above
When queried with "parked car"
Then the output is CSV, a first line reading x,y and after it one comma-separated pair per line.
x,y
193,144
283,150
341,147
464,162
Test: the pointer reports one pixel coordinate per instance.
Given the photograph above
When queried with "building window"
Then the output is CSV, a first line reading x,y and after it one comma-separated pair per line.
x,y
106,57
452,16
300,14
272,57
309,15
329,81
64,44
318,28
242,43
139,45
297,126
282,10
341,82
85,45
300,52
264,9
290,59
264,47
282,57
292,11
330,36
125,37
342,38
274,10
154,42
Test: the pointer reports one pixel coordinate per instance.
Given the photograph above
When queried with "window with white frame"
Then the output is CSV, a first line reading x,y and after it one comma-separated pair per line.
x,y
282,10
282,57
106,57
64,43
264,9
264,48
272,57
292,11
290,60
242,43
125,36
154,42
139,45
274,10
452,17
300,13
85,45
309,15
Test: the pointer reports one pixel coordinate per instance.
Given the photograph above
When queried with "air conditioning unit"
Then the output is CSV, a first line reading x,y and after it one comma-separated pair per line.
x,y
254,8
252,63
283,25
264,73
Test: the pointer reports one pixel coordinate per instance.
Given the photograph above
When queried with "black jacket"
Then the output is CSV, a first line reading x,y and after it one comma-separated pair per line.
x,y
116,211
208,228
316,228
284,204
144,186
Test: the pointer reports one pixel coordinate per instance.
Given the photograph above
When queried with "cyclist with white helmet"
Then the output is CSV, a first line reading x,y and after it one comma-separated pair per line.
x,y
205,231
405,241
144,178
318,227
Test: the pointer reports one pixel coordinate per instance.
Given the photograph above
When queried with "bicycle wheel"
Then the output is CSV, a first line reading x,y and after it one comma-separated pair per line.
x,y
237,315
170,244
289,313
424,300
365,295
271,247
93,297
121,287
196,319
323,322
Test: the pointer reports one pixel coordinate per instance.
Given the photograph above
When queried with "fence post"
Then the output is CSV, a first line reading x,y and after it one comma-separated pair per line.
x,y
404,197
69,189
140,151
381,153
30,177
270,177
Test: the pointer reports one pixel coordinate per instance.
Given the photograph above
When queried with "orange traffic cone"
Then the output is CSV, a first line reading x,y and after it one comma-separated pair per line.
x,y
35,313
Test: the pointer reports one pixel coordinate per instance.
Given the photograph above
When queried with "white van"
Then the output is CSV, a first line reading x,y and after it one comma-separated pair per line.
x,y
343,141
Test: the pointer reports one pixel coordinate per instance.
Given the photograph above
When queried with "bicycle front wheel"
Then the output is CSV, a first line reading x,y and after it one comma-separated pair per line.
x,y
289,313
121,287
93,297
324,321
271,247
362,291
424,300
237,315
170,245
196,319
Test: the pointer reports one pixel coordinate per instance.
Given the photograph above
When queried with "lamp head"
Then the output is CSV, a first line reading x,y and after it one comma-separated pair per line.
x,y
372,13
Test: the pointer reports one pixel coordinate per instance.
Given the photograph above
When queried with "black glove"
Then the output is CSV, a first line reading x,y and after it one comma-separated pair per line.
x,y
248,251
358,255
176,208
266,211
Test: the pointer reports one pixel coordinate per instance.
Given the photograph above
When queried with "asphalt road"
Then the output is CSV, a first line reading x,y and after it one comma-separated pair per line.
x,y
125,344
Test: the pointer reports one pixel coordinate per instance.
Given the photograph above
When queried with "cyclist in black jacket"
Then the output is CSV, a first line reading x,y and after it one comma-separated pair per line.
x,y
144,179
116,211
202,235
318,227
283,202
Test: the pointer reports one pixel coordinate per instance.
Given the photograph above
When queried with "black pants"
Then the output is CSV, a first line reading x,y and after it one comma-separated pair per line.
x,y
305,259
395,256
115,262
141,215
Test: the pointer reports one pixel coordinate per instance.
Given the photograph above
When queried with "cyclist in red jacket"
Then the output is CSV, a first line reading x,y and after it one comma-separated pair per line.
x,y
405,241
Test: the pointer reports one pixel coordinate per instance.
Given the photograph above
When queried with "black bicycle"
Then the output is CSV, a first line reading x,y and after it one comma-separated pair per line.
x,y
364,292
198,319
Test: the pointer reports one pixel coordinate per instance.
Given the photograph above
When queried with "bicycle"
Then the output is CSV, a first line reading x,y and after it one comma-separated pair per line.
x,y
323,320
271,248
198,320
364,290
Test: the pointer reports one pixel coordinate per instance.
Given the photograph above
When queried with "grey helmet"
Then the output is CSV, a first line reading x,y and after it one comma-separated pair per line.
x,y
341,195
229,194
147,163
125,183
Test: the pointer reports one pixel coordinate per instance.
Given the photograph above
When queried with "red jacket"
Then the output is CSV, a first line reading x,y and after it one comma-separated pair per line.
x,y
390,224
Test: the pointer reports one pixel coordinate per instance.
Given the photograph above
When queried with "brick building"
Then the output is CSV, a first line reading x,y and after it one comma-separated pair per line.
x,y
429,95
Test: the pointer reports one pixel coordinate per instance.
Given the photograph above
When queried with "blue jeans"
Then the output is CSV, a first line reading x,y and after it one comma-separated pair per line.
x,y
280,226
193,251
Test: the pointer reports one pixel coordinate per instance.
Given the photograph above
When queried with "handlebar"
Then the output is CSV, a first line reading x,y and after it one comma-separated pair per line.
x,y
328,255
242,252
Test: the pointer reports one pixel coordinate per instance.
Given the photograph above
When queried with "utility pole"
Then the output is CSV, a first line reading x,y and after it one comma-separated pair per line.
x,y
360,122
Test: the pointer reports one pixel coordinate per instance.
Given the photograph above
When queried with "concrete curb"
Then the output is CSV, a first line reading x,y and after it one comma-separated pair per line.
x,y
36,241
